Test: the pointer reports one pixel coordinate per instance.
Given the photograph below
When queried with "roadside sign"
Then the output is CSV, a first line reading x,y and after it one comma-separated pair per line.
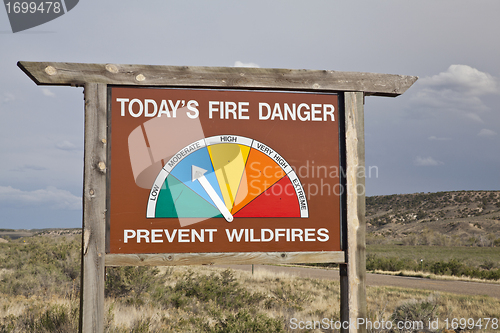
x,y
201,175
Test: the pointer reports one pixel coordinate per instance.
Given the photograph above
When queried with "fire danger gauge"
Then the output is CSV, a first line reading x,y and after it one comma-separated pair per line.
x,y
227,176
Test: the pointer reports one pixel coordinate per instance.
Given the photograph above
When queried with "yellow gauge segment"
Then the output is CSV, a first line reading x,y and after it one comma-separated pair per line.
x,y
229,164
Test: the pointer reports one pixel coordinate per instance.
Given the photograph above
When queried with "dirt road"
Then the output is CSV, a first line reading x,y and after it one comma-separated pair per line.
x,y
456,287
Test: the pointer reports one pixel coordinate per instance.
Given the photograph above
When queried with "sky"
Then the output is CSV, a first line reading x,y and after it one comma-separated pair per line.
x,y
443,134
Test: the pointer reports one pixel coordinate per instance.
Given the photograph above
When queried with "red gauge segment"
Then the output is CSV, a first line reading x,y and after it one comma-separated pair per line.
x,y
279,200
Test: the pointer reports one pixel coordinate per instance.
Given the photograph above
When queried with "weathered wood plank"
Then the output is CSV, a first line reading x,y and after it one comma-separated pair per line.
x,y
94,210
353,287
175,259
77,74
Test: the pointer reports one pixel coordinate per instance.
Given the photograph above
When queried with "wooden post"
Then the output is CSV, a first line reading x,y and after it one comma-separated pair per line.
x,y
94,210
353,273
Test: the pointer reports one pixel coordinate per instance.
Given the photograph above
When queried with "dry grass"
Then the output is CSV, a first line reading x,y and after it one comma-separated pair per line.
x,y
307,299
449,305
304,299
317,299
176,302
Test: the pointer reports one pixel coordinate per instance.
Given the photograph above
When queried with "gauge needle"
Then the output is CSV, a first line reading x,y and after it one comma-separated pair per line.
x,y
198,174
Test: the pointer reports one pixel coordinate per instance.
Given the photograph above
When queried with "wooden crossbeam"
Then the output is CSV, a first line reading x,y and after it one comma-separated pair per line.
x,y
77,74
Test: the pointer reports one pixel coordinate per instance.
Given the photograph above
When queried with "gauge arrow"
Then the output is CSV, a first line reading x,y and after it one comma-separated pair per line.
x,y
198,174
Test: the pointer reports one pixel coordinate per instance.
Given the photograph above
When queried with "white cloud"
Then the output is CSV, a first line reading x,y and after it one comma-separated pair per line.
x,y
463,79
245,64
486,133
427,161
50,197
446,99
474,116
459,89
47,92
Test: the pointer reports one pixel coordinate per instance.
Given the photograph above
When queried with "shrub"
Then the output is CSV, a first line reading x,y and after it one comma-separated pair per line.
x,y
286,296
122,281
41,265
221,288
243,321
452,267
35,319
391,264
416,312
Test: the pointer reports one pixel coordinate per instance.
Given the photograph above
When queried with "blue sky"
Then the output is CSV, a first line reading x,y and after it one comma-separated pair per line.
x,y
441,135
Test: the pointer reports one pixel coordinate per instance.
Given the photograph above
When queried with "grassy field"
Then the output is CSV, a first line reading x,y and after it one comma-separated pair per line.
x,y
461,262
39,292
206,299
473,256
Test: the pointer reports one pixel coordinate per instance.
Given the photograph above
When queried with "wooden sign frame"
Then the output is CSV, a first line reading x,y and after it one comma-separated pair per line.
x,y
147,167
352,87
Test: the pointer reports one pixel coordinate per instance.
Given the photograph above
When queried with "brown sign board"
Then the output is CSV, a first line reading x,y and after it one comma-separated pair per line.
x,y
205,170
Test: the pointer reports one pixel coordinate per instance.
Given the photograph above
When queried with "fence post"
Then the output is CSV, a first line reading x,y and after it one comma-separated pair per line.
x,y
353,273
94,209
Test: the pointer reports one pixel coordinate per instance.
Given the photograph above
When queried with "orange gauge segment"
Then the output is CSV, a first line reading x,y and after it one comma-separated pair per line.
x,y
260,173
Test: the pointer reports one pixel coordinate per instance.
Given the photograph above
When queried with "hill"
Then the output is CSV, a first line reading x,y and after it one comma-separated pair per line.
x,y
467,218
18,233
